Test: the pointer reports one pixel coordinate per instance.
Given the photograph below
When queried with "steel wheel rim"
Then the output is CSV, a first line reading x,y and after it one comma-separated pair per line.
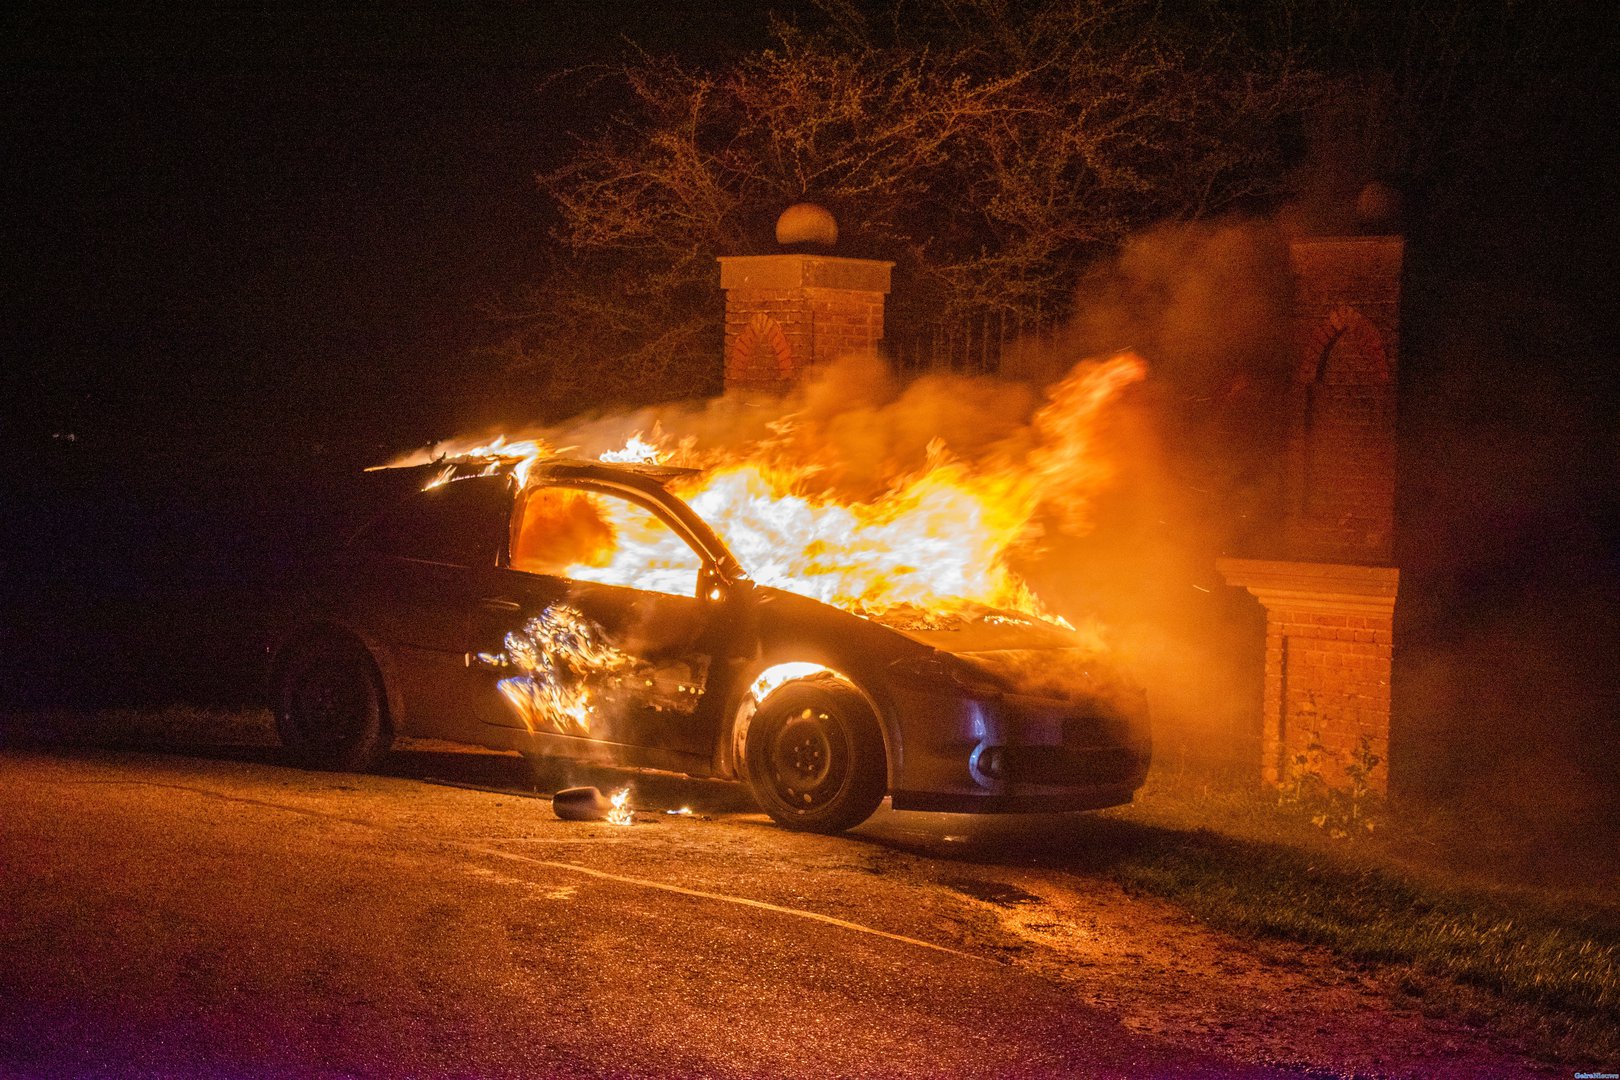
x,y
808,760
329,706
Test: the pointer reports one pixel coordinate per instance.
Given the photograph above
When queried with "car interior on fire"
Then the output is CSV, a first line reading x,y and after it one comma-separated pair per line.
x,y
565,532
558,529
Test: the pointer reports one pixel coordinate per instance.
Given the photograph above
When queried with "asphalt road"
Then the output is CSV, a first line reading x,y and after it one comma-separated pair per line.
x,y
182,916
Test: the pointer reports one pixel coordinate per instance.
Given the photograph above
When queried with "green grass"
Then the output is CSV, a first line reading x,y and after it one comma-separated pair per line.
x,y
1239,861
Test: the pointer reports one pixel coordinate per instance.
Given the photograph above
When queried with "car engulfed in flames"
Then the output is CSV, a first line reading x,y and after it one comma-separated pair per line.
x,y
862,646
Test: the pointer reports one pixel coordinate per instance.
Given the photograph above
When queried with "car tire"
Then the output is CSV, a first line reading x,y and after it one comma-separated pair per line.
x,y
329,707
814,757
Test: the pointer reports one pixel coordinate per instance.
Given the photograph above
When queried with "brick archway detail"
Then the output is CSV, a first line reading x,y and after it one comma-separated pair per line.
x,y
761,350
1345,348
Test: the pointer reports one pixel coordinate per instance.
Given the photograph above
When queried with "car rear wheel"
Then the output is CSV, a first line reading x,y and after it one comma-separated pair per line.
x,y
815,757
329,708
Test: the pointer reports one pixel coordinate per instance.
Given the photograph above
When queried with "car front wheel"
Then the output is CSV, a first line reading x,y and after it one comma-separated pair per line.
x,y
815,757
329,708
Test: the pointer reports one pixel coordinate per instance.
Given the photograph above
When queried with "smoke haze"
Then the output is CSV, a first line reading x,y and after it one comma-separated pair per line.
x,y
1136,489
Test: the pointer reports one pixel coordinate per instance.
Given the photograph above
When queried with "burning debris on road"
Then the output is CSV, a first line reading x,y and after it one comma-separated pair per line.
x,y
589,804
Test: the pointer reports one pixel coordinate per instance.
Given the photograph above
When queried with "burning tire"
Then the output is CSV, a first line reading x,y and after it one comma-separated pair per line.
x,y
815,757
329,707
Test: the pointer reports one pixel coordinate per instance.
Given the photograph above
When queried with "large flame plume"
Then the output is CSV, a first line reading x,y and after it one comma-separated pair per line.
x,y
856,492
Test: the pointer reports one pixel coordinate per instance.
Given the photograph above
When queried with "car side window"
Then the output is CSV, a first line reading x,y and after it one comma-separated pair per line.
x,y
454,523
590,536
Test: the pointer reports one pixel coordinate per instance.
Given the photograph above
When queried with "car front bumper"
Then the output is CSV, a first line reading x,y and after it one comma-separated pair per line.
x,y
1010,753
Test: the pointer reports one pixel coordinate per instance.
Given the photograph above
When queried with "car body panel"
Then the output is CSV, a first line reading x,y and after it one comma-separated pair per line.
x,y
651,660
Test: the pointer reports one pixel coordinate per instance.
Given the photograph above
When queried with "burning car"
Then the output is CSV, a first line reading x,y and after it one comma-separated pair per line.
x,y
585,610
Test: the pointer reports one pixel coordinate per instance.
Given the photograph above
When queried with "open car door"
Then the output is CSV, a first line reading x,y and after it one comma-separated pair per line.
x,y
604,627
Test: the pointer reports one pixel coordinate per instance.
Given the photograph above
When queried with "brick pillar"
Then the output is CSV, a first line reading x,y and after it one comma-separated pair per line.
x,y
1329,645
785,313
1330,600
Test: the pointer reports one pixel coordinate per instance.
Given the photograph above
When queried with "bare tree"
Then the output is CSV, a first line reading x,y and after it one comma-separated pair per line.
x,y
989,147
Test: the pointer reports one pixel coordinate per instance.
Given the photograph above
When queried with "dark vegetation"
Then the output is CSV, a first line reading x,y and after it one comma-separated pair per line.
x,y
989,149
994,150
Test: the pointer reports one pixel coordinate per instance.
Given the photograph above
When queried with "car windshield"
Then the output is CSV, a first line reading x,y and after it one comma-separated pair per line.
x,y
591,536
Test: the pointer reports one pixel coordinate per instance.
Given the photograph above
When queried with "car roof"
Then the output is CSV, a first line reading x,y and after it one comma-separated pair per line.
x,y
637,480
584,468
470,465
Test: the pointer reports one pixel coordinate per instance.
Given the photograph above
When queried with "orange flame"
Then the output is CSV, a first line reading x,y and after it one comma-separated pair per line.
x,y
621,814
941,538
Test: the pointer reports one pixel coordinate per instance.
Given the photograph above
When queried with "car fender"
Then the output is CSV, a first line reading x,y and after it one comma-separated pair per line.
x,y
796,629
730,756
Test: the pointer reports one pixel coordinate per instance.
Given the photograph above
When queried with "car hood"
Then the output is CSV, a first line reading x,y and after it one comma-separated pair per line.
x,y
978,631
1029,657
1014,653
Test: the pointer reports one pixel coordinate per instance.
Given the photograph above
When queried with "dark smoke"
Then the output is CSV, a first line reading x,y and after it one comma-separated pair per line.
x,y
1507,691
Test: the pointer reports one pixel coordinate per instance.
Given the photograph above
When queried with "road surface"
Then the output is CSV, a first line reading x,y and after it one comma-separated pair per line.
x,y
196,915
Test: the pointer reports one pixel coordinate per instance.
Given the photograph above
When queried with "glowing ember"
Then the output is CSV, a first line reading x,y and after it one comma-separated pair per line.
x,y
621,813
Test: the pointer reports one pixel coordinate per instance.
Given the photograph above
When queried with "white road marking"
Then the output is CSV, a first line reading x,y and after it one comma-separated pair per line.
x,y
724,898
740,901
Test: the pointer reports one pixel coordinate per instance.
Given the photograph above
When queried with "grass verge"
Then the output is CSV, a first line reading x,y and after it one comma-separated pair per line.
x,y
1241,862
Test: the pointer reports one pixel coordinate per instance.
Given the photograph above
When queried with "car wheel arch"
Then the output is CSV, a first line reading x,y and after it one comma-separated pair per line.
x,y
731,761
316,634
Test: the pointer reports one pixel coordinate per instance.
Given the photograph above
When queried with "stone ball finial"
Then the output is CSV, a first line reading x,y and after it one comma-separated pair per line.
x,y
806,223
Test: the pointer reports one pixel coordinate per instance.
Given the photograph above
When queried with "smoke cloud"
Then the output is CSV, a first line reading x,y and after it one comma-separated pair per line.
x,y
1207,306
1502,689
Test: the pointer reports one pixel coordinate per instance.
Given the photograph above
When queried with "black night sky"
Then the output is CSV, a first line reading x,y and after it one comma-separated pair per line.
x,y
274,231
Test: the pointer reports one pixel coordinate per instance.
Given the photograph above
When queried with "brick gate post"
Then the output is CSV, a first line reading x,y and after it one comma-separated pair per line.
x,y
788,312
1330,600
